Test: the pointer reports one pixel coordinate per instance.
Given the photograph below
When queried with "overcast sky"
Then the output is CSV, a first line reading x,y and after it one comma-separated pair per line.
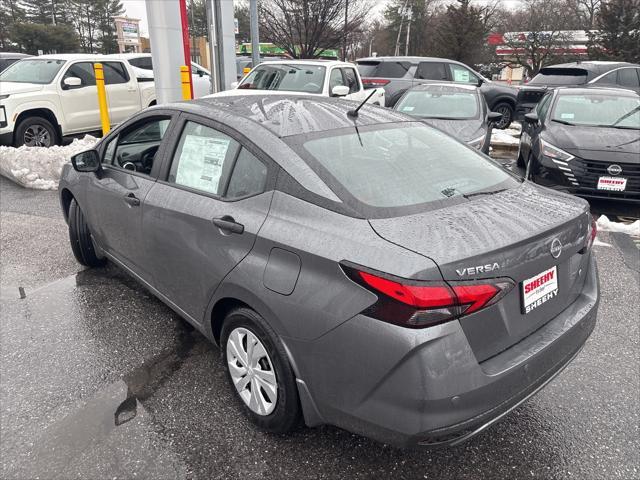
x,y
137,9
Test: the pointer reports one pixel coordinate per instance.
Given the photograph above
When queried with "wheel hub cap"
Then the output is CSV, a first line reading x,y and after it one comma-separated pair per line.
x,y
252,371
37,136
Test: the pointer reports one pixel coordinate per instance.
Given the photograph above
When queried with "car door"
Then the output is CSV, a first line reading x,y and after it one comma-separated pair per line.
x,y
80,104
131,159
123,95
335,79
202,217
356,92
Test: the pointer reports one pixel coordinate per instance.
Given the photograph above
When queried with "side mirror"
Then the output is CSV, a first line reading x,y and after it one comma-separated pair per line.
x,y
88,161
494,117
72,82
531,118
234,85
339,91
200,73
480,82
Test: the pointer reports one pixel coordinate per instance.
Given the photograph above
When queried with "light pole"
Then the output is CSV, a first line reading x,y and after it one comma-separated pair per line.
x,y
255,32
344,31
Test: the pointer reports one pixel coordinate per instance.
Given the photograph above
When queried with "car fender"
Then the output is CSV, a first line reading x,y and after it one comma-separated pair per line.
x,y
40,104
503,98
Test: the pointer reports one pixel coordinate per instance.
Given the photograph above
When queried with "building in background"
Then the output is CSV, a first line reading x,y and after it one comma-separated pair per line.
x,y
128,33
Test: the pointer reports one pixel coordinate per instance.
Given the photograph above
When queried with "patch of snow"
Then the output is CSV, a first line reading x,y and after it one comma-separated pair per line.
x,y
598,243
40,167
606,225
505,137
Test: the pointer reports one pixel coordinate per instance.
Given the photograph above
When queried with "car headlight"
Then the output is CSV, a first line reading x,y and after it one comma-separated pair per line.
x,y
477,143
550,151
3,116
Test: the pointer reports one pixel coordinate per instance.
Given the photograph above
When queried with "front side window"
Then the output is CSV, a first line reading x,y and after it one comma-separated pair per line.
x,y
285,77
32,71
543,107
598,110
628,77
136,147
439,104
398,166
335,79
201,156
431,71
461,74
352,79
84,71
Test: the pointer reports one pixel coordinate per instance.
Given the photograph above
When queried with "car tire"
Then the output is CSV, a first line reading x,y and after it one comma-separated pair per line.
x,y
80,238
507,115
520,161
283,414
35,132
391,101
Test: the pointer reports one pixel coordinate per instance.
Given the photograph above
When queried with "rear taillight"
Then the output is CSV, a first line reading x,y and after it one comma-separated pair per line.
x,y
374,82
592,231
424,304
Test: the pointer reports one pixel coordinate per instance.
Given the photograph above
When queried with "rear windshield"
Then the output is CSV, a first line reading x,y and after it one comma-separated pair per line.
x,y
383,69
560,76
396,169
288,78
437,104
32,71
598,110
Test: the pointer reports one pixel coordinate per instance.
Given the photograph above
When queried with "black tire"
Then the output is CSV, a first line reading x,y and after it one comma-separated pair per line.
x,y
28,126
520,160
391,101
80,238
286,415
507,115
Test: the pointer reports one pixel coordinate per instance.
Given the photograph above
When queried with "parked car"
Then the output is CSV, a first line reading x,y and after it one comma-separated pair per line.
x,y
9,58
369,272
323,78
618,74
246,62
398,74
585,141
49,97
142,64
458,110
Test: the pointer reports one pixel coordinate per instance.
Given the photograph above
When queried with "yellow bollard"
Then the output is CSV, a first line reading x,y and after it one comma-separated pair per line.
x,y
186,83
246,70
102,98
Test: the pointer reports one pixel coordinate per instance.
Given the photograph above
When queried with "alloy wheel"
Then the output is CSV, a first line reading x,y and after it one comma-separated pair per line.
x,y
506,117
252,371
37,136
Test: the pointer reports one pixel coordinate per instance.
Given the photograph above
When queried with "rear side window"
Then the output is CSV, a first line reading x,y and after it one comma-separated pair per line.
x,y
144,62
114,73
431,71
84,71
248,178
628,77
384,69
543,107
202,157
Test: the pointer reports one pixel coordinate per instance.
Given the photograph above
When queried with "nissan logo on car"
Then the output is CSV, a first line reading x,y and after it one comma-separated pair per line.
x,y
556,248
614,169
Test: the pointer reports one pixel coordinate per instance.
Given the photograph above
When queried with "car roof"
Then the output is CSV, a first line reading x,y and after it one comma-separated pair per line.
x,y
73,56
405,59
623,92
315,62
594,66
13,55
285,116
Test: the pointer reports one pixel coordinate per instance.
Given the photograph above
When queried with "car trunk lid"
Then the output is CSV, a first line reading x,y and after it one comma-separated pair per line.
x,y
508,234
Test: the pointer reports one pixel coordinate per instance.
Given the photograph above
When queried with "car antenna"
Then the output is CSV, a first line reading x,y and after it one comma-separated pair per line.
x,y
354,113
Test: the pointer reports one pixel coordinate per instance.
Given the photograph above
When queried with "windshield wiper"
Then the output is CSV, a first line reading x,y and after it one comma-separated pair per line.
x,y
624,127
564,122
626,115
490,192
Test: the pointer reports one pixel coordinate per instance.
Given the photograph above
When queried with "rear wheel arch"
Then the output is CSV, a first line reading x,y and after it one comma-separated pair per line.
x,y
152,103
220,311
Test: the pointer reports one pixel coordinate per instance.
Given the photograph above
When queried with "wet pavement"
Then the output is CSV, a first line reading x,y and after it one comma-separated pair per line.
x,y
98,379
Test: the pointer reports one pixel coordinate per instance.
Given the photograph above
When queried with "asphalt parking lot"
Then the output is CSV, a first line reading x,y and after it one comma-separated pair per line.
x,y
98,379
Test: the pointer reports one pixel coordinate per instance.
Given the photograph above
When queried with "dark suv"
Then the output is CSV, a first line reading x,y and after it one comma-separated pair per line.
x,y
397,74
609,74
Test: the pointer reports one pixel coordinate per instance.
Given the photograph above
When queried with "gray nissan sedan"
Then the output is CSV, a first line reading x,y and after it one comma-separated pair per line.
x,y
356,268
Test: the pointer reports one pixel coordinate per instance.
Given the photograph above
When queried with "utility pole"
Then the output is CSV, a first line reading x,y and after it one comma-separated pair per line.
x,y
401,11
255,33
406,43
344,31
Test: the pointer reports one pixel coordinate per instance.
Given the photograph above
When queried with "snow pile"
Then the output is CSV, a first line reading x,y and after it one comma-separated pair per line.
x,y
507,137
606,225
39,167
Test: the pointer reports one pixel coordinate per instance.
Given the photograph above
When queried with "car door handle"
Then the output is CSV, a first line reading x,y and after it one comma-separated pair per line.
x,y
132,200
228,224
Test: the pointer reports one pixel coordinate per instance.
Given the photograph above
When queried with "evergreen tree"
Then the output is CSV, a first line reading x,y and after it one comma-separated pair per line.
x,y
618,34
11,13
461,32
48,38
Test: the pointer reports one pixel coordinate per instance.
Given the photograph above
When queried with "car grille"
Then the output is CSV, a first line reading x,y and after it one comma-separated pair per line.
x,y
584,175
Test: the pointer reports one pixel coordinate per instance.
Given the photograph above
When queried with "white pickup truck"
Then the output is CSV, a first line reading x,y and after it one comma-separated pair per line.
x,y
44,99
325,78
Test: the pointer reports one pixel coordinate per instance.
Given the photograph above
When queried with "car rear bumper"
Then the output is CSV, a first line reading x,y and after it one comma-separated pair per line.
x,y
425,387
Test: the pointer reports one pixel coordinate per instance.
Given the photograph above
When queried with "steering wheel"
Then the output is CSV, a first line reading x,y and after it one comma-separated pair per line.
x,y
146,157
139,162
310,87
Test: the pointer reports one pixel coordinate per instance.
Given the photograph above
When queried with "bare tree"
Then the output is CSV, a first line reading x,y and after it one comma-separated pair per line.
x,y
541,38
303,28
